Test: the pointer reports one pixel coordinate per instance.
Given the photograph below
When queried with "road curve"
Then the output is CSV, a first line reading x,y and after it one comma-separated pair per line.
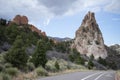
x,y
86,75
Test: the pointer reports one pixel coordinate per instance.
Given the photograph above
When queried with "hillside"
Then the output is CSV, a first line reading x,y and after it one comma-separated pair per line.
x,y
27,49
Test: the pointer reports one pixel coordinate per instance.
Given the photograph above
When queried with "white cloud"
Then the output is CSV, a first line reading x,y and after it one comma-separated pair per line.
x,y
113,7
46,22
48,9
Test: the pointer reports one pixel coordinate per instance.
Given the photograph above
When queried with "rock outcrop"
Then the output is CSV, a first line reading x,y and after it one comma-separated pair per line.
x,y
43,33
115,47
23,20
34,29
20,20
88,38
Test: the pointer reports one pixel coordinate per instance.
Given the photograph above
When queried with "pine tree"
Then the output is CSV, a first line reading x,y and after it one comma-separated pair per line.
x,y
39,56
102,61
90,64
57,65
79,60
92,57
17,55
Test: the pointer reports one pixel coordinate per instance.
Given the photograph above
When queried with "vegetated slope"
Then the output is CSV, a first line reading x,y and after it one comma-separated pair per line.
x,y
60,49
113,59
115,47
10,30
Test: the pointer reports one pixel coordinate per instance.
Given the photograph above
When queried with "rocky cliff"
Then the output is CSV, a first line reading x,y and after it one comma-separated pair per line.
x,y
88,38
20,20
23,20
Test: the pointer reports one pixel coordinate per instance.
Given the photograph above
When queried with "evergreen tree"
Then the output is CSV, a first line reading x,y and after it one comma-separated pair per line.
x,y
17,55
102,61
39,56
3,21
92,57
57,65
90,64
79,60
76,57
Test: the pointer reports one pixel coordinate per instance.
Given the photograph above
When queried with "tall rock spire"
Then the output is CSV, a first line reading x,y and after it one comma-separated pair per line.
x,y
88,39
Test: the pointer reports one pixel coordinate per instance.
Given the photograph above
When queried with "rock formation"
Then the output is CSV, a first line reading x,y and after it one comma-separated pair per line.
x,y
20,20
115,47
88,38
43,33
23,20
34,29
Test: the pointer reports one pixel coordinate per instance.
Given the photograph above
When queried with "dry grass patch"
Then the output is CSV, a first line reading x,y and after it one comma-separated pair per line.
x,y
26,76
117,76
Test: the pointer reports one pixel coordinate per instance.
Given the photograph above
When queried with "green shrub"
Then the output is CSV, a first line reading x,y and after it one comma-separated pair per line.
x,y
8,65
63,64
2,58
76,57
12,71
41,71
50,67
102,61
2,67
4,76
90,64
57,65
30,66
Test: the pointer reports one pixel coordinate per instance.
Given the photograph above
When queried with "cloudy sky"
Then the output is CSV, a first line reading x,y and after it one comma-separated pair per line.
x,y
61,18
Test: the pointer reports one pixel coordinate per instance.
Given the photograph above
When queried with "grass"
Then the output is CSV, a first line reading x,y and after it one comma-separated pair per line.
x,y
65,67
41,71
12,71
8,72
4,76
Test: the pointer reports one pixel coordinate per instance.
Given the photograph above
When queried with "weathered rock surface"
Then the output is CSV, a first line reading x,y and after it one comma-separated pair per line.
x,y
113,58
116,47
34,29
88,38
20,20
43,33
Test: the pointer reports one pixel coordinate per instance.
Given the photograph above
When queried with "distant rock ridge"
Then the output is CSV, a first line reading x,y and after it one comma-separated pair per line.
x,y
23,20
88,38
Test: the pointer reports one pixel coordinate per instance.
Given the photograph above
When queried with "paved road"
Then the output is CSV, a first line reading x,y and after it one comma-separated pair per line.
x,y
88,75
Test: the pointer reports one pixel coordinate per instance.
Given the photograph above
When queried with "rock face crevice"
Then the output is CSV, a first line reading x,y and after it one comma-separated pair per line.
x,y
88,38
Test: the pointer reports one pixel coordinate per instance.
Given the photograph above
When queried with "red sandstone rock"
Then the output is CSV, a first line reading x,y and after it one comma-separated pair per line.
x,y
34,29
20,20
23,20
43,33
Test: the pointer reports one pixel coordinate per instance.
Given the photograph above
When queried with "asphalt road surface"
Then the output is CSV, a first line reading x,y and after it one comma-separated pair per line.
x,y
87,75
